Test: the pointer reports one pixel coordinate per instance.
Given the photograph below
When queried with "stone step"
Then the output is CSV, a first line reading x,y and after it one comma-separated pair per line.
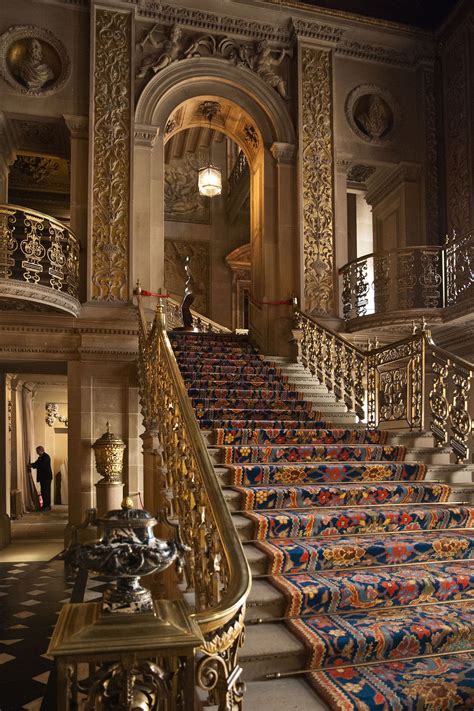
x,y
264,602
270,648
291,694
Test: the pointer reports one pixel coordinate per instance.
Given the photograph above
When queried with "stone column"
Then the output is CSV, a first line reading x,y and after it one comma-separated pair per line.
x,y
148,209
341,246
111,104
5,527
78,127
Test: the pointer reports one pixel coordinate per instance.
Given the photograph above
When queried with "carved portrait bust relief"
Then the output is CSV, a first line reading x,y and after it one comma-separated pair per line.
x,y
33,61
372,113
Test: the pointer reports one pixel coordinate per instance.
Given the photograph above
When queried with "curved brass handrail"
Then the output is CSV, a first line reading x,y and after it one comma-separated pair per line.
x,y
240,577
215,567
44,215
199,319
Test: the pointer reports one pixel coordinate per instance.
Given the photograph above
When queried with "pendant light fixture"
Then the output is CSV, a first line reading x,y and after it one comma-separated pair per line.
x,y
210,176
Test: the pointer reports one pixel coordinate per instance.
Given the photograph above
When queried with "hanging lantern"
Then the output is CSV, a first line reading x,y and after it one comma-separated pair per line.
x,y
210,181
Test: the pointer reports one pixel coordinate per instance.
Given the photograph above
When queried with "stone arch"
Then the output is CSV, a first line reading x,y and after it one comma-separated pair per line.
x,y
274,239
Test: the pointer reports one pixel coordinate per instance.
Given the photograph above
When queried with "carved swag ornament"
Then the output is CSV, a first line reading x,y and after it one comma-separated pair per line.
x,y
175,46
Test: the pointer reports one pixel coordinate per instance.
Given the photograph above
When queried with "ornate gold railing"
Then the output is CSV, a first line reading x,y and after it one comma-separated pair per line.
x,y
412,384
422,278
39,259
216,568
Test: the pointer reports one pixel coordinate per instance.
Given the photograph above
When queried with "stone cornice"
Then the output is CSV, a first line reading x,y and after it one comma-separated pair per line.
x,y
145,135
78,126
283,152
404,173
207,20
308,29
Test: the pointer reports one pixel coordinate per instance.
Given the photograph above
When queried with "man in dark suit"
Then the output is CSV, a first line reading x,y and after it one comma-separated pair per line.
x,y
44,475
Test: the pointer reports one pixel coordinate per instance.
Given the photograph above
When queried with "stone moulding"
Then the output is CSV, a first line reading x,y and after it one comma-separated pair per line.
x,y
317,179
111,136
19,33
39,294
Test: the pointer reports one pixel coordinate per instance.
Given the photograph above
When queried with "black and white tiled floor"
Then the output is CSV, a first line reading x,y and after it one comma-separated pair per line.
x,y
31,597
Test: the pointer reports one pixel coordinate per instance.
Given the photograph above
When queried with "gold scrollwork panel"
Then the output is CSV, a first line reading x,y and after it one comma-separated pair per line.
x,y
111,136
317,179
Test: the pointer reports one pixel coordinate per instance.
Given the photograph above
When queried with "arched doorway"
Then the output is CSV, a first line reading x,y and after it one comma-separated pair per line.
x,y
255,117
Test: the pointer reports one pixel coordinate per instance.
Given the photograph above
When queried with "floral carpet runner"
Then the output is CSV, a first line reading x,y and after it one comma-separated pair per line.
x,y
373,561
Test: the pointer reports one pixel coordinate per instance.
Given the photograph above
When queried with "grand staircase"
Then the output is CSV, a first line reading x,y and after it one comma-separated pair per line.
x,y
361,561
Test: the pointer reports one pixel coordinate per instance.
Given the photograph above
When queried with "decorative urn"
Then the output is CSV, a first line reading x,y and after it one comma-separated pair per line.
x,y
127,550
108,451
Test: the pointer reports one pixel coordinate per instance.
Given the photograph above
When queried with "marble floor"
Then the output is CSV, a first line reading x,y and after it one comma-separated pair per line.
x,y
33,588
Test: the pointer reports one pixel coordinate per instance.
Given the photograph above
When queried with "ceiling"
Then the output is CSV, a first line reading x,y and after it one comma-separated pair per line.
x,y
426,14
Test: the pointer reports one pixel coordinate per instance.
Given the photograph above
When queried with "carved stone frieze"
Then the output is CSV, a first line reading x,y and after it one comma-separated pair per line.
x,y
317,167
33,61
456,102
359,173
172,45
111,135
225,24
431,158
375,53
315,30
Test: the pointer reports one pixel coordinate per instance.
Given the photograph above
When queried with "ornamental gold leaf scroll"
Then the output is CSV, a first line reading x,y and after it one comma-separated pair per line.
x,y
111,162
318,218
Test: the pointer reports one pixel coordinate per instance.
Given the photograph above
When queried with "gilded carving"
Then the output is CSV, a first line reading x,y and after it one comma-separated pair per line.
x,y
317,165
176,250
456,101
111,156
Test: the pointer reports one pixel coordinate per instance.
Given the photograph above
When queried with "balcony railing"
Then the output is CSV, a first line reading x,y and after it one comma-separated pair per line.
x,y
411,278
39,260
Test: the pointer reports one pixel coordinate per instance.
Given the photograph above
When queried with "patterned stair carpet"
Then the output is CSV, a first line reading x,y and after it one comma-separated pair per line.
x,y
374,564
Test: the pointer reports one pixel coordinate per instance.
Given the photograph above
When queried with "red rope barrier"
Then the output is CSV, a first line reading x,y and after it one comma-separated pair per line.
x,y
144,292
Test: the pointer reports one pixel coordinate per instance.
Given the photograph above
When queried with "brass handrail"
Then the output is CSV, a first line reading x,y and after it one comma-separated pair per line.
x,y
387,252
221,590
390,384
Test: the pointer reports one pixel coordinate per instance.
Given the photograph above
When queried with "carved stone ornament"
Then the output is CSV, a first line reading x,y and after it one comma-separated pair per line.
x,y
33,61
111,135
372,113
52,415
317,160
172,45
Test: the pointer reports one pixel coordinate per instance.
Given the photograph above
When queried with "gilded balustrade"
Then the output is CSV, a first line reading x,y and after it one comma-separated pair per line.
x,y
411,384
215,567
420,277
39,259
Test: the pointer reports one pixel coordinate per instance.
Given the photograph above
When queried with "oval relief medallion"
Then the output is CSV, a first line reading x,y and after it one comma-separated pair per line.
x,y
372,113
33,61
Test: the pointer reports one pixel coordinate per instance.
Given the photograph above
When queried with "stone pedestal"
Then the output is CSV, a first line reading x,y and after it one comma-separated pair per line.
x,y
109,496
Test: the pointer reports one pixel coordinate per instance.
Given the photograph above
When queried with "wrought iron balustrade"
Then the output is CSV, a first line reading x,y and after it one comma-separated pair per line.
x,y
411,384
424,277
215,568
39,260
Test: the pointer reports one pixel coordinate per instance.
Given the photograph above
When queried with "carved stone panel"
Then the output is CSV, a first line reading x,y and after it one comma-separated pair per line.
x,y
111,135
175,252
183,203
317,167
